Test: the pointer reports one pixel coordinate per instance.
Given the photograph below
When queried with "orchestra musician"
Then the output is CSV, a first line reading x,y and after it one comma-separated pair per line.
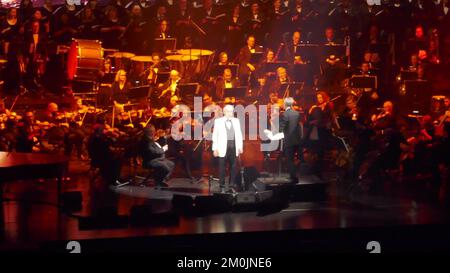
x,y
385,119
330,37
27,134
170,88
119,91
223,59
227,145
261,68
282,79
246,68
158,66
162,32
293,53
103,156
320,122
226,81
36,44
153,156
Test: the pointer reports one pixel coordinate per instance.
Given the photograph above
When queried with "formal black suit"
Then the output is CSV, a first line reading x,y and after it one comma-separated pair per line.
x,y
291,50
244,58
220,87
291,126
153,157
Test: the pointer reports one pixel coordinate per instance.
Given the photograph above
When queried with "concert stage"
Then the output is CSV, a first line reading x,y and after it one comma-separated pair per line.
x,y
341,221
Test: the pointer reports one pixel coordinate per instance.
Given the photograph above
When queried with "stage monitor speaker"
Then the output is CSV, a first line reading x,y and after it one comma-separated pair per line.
x,y
182,202
217,203
104,218
139,215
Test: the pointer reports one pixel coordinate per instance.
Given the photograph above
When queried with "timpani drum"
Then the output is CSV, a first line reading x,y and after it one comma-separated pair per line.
x,y
204,56
186,65
142,61
85,59
121,60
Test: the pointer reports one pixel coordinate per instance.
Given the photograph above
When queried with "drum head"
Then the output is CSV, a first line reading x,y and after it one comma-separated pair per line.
x,y
181,58
144,59
126,55
195,52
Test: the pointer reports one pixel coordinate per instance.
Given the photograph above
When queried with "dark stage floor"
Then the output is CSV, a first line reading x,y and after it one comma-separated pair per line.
x,y
32,220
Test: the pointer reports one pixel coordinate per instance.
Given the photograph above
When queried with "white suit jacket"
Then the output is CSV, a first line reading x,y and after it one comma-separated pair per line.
x,y
219,137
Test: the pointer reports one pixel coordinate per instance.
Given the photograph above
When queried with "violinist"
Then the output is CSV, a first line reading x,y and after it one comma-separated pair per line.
x,y
282,79
28,134
158,66
103,156
170,88
320,122
76,133
50,114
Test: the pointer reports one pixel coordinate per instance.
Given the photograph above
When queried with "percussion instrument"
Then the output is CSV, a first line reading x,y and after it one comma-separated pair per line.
x,y
109,51
121,60
185,64
203,54
85,59
144,61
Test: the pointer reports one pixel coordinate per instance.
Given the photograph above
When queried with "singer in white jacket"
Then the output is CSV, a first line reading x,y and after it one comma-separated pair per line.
x,y
227,144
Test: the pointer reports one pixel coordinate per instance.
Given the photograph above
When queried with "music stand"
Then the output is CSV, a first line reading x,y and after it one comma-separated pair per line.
x,y
337,50
287,89
302,73
218,70
162,77
164,45
187,91
236,92
256,57
108,77
416,97
138,93
408,75
360,81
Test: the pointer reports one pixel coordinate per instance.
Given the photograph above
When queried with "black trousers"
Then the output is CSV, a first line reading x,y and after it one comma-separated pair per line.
x,y
230,158
163,168
289,153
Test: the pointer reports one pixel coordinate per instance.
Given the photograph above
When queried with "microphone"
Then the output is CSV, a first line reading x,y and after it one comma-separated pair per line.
x,y
380,109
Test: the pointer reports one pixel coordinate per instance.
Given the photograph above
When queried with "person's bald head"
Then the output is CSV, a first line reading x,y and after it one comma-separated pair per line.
x,y
388,106
52,107
174,75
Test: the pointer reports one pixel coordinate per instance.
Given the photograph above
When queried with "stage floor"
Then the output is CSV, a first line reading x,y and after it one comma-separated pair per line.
x,y
31,217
